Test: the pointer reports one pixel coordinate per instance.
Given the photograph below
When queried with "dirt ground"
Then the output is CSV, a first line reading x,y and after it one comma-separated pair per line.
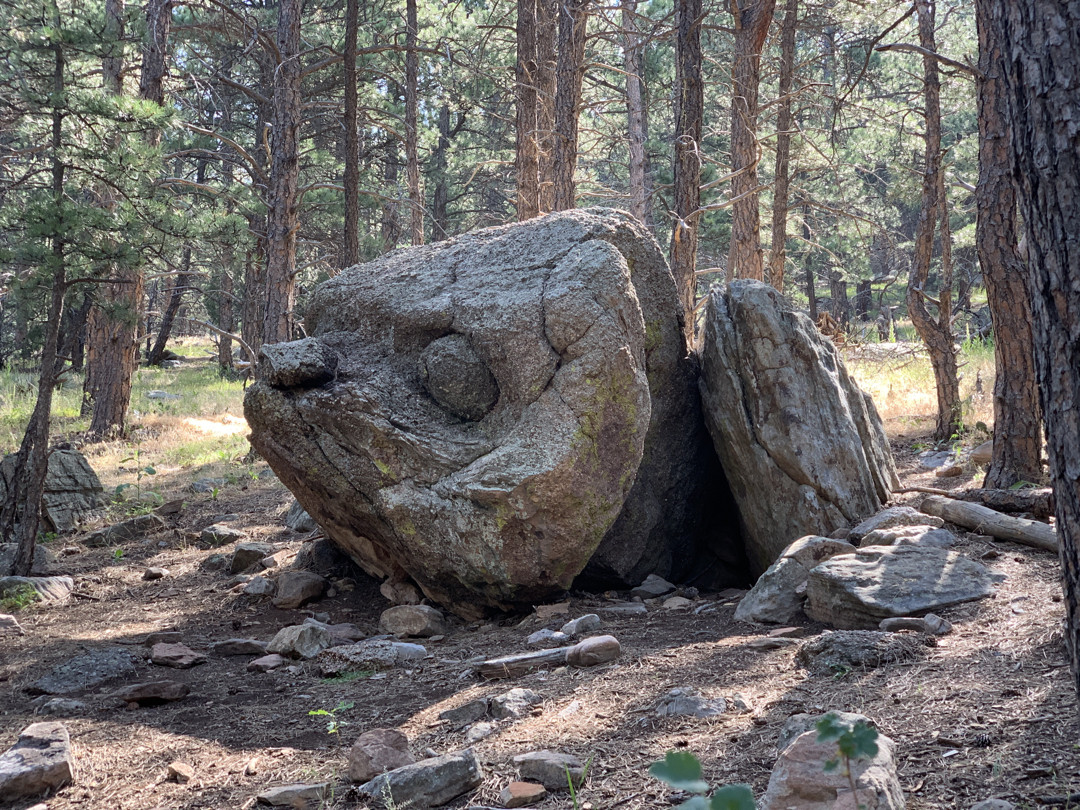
x,y
986,712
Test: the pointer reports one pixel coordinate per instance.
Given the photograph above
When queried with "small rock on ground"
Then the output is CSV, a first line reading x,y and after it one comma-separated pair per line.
x,y
520,794
300,641
413,621
180,772
178,656
300,797
514,704
478,731
588,623
86,671
593,651
41,760
259,586
62,707
652,586
377,751
548,638
930,623
295,588
683,702
428,783
551,769
153,693
220,535
45,589
890,518
238,646
151,574
839,651
248,555
267,663
467,713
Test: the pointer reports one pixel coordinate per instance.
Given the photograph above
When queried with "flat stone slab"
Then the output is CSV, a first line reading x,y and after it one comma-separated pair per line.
x,y
41,760
428,783
153,693
178,656
85,672
300,797
856,591
891,518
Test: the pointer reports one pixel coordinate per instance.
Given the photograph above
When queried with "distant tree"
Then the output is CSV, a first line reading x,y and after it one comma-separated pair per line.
x,y
784,121
570,71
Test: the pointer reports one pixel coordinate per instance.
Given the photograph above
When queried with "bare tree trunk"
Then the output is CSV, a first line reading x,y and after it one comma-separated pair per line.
x,y
808,259
441,196
225,309
527,156
637,124
282,200
778,253
1040,40
1017,412
176,296
251,315
689,109
936,333
570,69
352,140
155,50
547,24
391,229
752,20
412,159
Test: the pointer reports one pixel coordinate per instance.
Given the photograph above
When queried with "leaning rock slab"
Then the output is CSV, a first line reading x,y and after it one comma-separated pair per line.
x,y
300,641
891,518
778,595
378,751
85,672
502,408
429,782
41,760
177,656
413,621
856,591
804,448
295,588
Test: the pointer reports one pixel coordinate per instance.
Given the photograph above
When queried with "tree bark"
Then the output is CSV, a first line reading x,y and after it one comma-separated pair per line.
x,y
1040,40
441,196
778,252
976,517
752,20
637,121
352,140
412,159
570,70
811,291
936,333
176,296
1017,412
527,155
547,24
155,51
283,201
391,229
225,309
689,110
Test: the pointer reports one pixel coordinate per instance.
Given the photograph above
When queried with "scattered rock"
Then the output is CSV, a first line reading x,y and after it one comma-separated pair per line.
x,y
624,609
992,804
545,612
412,621
53,590
126,531
593,651
520,794
514,704
163,637
299,797
207,485
429,782
378,751
180,772
298,519
776,597
162,395
372,654
788,632
248,555
479,731
840,651
43,558
41,760
215,562
799,780
936,459
153,693
769,643
653,586
152,574
296,588
548,638
676,603
925,535
259,586
983,454
170,507
300,641
238,646
858,590
72,490
951,471
682,702
551,769
178,656
345,633
64,707
401,592
931,624
890,518
9,626
588,623
218,534
86,671
466,713
267,663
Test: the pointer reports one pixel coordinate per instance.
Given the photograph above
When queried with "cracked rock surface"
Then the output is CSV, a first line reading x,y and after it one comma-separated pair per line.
x,y
803,446
500,412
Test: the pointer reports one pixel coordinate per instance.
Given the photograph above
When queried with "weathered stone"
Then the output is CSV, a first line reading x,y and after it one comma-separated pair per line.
x,y
514,704
153,693
43,589
295,588
41,760
776,597
841,651
299,797
219,534
300,641
215,562
413,621
400,592
805,452
378,751
576,319
891,518
344,633
43,558
548,638
478,731
177,656
207,486
653,586
429,782
623,609
64,707
247,555
521,794
238,646
126,531
993,804
300,364
163,637
153,573
909,535
372,654
466,713
769,643
267,663
593,651
298,520
983,454
180,772
552,769
799,780
676,603
85,672
682,702
72,491
853,591
931,624
259,586
588,623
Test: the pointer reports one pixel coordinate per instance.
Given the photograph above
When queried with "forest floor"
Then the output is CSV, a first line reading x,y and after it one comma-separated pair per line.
x,y
988,711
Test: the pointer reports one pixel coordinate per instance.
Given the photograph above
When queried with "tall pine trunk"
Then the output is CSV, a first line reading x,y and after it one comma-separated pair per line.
x,y
547,24
412,158
527,153
570,70
637,120
778,253
352,139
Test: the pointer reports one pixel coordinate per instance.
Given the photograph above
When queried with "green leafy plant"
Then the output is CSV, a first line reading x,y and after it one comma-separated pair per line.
x,y
334,724
141,471
118,554
18,598
682,771
570,782
854,741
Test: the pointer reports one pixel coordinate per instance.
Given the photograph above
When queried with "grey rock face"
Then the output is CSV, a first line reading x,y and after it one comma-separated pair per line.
x,y
925,535
550,768
45,589
856,591
582,624
300,641
62,707
297,364
547,638
892,518
219,535
372,654
41,760
415,621
298,520
798,724
653,586
429,782
177,656
467,713
153,693
514,704
72,490
245,555
682,702
295,588
377,751
803,447
843,650
297,797
777,597
239,646
125,531
43,558
583,444
86,671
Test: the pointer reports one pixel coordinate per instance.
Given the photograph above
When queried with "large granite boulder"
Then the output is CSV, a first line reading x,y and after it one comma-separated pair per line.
x,y
72,489
803,447
487,414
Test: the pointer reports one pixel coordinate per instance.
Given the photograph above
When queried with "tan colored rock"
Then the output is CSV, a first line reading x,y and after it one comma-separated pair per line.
x,y
180,772
983,454
296,588
521,794
593,651
378,751
177,656
413,621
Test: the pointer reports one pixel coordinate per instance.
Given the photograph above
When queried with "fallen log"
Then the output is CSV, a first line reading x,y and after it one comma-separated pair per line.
x,y
978,518
587,653
1038,502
